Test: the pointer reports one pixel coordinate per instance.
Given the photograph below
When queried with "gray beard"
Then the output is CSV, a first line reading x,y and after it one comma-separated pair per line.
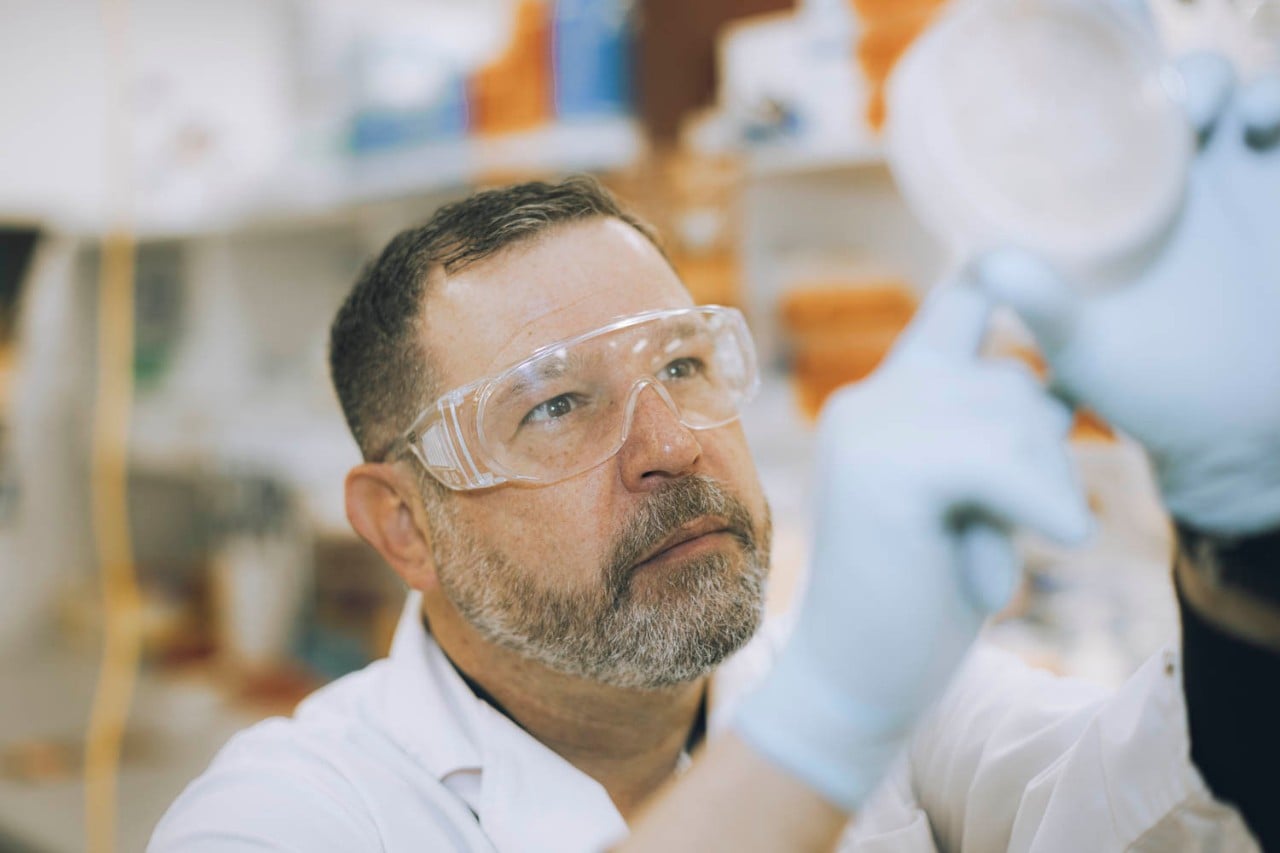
x,y
674,633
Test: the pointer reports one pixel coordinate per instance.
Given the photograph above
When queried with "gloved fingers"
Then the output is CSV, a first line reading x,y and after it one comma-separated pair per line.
x,y
952,321
989,565
1058,416
1259,108
1027,488
1049,451
1016,392
1025,282
1207,80
989,562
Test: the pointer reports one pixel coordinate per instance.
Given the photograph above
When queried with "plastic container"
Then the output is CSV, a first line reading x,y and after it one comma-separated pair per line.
x,y
1052,125
591,53
513,93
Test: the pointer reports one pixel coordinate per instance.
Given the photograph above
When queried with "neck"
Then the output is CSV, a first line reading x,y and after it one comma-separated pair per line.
x,y
627,740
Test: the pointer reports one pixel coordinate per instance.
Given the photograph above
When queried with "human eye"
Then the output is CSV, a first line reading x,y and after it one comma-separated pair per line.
x,y
552,409
685,367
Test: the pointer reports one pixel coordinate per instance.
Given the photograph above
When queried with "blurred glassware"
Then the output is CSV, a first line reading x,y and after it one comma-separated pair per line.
x,y
260,573
791,79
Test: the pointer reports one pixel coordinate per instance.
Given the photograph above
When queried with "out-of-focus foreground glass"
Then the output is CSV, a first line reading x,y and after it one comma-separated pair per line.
x,y
1051,124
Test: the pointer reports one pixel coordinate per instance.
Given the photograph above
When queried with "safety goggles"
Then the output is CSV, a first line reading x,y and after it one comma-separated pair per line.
x,y
568,407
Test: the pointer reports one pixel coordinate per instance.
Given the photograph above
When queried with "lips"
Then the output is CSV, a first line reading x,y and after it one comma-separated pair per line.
x,y
684,533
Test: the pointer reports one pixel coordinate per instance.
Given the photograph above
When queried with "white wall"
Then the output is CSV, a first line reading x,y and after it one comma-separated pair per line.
x,y
52,106
208,100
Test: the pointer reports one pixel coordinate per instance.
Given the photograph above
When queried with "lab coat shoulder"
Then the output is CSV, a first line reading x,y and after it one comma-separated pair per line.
x,y
1018,759
267,789
324,780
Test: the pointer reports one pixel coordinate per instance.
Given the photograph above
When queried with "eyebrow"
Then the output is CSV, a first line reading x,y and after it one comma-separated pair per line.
x,y
553,368
684,328
547,368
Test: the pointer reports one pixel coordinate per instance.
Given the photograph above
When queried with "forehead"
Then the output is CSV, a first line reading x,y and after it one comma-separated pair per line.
x,y
572,279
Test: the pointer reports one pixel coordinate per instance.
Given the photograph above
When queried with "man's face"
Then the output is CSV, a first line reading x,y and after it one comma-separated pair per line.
x,y
577,575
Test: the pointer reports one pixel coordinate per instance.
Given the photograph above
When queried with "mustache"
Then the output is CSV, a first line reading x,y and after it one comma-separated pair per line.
x,y
683,501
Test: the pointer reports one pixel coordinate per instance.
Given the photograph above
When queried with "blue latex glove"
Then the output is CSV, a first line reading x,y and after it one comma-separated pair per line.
x,y
1184,353
922,470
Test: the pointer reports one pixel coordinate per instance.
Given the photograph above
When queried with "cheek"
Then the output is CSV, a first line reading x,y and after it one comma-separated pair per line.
x,y
560,534
728,458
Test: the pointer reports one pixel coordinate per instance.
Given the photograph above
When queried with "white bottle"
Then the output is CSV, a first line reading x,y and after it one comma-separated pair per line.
x,y
830,90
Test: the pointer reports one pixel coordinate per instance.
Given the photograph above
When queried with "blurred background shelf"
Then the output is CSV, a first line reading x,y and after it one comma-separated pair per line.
x,y
342,192
593,146
782,159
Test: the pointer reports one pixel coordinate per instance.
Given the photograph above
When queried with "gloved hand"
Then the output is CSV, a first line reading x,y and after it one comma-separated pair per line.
x,y
1184,354
922,469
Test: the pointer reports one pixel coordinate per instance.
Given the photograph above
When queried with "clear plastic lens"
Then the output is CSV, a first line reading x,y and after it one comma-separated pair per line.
x,y
568,407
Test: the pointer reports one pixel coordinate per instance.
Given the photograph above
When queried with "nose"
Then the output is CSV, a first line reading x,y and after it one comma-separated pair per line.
x,y
658,448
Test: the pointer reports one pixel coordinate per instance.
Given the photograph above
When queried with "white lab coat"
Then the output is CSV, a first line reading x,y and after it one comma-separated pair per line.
x,y
402,756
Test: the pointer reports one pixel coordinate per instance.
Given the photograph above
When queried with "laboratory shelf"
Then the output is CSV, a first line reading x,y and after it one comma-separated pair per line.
x,y
308,452
565,147
780,159
308,192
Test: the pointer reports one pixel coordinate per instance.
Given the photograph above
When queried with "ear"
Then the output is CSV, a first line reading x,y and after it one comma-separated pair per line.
x,y
385,509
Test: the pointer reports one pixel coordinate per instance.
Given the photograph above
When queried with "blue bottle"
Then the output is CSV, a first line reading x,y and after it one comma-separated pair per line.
x,y
591,58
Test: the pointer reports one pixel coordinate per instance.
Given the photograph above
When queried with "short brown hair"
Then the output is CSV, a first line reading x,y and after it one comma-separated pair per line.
x,y
377,358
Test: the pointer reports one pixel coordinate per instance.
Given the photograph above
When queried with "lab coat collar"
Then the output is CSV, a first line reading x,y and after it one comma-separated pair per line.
x,y
527,798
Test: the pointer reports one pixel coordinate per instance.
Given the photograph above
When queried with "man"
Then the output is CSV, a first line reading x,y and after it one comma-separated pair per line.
x,y
554,467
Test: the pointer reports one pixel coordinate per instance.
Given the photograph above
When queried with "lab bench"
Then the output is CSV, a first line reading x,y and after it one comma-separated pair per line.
x,y
178,723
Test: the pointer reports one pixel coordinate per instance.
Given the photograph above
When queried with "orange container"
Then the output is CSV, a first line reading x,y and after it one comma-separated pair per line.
x,y
840,332
514,92
712,278
840,306
887,28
